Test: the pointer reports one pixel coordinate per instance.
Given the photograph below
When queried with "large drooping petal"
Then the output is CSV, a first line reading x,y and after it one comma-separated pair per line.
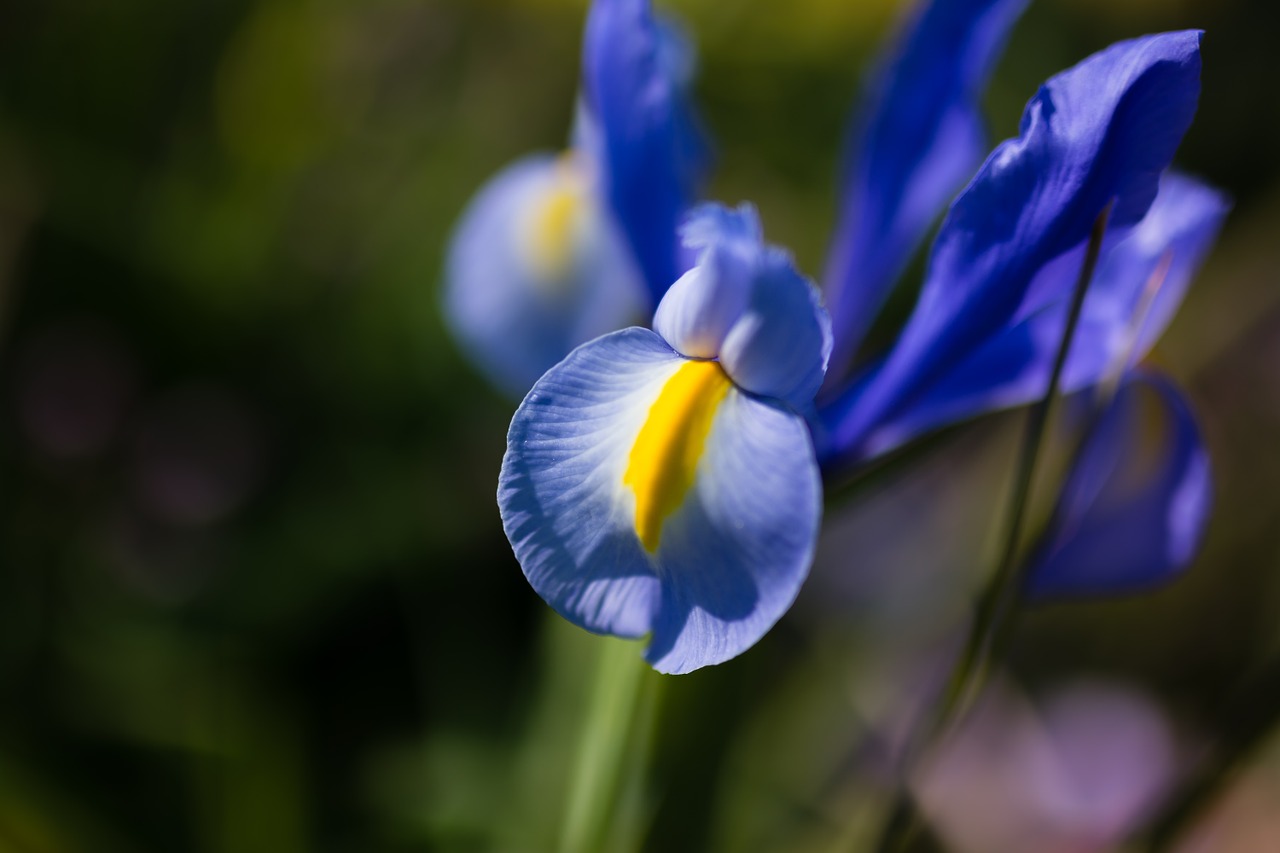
x,y
745,303
535,268
922,137
1135,291
645,137
644,494
1133,510
1098,134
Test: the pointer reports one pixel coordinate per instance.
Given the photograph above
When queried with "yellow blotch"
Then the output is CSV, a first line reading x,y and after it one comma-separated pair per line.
x,y
665,456
554,224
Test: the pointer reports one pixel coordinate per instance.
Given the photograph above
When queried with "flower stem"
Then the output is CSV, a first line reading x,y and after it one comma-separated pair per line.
x,y
993,620
612,751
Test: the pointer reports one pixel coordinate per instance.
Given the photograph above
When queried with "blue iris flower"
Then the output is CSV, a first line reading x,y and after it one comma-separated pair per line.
x,y
664,483
558,249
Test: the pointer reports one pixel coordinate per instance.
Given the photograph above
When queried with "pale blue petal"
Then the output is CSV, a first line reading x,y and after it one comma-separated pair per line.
x,y
1100,133
734,556
561,493
697,312
922,139
1133,511
731,557
513,316
780,344
745,303
1121,320
653,158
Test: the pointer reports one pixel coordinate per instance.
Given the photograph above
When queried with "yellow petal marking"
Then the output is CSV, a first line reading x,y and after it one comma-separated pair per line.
x,y
665,456
551,238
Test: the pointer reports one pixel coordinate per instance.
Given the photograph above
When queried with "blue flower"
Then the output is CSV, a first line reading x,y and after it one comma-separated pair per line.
x,y
1000,270
662,482
556,250
1134,507
1142,276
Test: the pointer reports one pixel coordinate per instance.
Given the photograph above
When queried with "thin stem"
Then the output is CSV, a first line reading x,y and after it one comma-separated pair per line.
x,y
993,621
607,739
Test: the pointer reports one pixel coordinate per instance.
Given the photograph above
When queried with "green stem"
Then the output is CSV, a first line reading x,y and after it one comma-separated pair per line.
x,y
609,739
993,620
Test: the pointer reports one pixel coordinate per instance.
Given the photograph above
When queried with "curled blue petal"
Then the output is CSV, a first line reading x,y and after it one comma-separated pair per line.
x,y
652,156
704,569
922,138
697,311
745,303
780,345
1133,511
1135,291
1098,134
534,269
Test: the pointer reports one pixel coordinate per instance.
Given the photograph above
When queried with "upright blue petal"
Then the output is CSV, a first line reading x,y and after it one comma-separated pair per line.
x,y
652,156
1136,290
1097,134
553,253
745,304
536,267
921,139
780,345
1134,507
698,311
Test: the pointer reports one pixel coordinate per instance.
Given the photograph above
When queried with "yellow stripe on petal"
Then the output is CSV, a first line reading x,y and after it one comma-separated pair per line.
x,y
665,456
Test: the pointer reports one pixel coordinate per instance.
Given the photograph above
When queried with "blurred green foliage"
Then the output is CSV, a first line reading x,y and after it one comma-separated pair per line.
x,y
254,593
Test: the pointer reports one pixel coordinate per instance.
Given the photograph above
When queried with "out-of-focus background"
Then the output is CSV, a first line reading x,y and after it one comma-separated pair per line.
x,y
254,592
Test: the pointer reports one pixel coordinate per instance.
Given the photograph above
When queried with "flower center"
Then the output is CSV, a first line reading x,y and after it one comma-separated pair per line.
x,y
665,455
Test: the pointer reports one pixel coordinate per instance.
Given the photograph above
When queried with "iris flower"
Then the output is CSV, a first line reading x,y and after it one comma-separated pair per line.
x,y
558,249
663,482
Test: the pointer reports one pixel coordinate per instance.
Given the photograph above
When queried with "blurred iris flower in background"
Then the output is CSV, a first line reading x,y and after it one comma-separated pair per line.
x,y
1134,506
557,250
